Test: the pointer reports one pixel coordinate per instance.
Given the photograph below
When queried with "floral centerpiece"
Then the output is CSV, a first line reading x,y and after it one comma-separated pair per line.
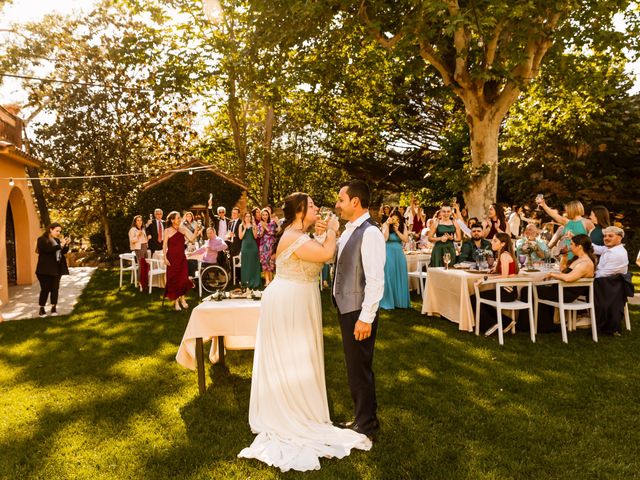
x,y
528,248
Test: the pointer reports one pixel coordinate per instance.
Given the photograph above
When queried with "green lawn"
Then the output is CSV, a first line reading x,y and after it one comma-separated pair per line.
x,y
98,394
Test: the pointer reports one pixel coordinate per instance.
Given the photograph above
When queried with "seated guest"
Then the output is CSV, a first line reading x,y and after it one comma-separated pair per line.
x,y
209,251
582,265
506,266
533,245
613,256
396,277
477,242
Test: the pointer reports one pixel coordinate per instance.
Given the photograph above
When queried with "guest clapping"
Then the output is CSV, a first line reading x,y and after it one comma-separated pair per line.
x,y
396,280
495,222
267,230
138,244
249,253
444,231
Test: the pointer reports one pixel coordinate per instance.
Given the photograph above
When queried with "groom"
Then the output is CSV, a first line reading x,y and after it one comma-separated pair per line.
x,y
357,290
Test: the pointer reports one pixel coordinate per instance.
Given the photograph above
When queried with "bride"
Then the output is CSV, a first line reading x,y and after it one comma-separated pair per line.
x,y
288,409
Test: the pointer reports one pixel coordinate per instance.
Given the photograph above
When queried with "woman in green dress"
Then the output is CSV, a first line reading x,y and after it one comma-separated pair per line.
x,y
574,222
443,232
250,270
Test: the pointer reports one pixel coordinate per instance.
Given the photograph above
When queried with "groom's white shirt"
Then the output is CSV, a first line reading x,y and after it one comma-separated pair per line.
x,y
373,251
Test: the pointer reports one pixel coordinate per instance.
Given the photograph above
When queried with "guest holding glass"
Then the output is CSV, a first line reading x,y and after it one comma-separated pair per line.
x,y
209,251
138,245
385,211
574,223
52,264
444,231
249,254
178,282
396,277
267,230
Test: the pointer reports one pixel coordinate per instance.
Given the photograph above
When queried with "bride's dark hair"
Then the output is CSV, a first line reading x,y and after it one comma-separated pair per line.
x,y
295,203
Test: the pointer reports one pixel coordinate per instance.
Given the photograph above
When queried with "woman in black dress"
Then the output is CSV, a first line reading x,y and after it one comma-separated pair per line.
x,y
52,264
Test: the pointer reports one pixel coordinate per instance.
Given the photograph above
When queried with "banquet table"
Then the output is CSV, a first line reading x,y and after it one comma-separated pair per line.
x,y
231,324
448,293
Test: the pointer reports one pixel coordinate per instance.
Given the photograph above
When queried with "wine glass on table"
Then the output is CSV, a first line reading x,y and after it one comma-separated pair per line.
x,y
522,259
446,258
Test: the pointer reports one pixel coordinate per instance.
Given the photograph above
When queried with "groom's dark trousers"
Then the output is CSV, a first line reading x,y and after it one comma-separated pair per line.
x,y
359,358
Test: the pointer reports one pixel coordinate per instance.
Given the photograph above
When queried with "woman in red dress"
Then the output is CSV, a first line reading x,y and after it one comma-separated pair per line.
x,y
178,282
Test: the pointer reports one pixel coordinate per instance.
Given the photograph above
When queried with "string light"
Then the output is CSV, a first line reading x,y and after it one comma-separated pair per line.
x,y
113,175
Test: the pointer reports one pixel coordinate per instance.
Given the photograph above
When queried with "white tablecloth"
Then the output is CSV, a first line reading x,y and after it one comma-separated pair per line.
x,y
448,294
234,319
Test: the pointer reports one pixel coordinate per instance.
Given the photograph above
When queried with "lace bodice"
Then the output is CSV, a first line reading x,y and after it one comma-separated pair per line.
x,y
290,267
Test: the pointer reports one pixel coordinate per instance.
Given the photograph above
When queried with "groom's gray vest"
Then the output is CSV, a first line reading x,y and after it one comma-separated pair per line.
x,y
349,277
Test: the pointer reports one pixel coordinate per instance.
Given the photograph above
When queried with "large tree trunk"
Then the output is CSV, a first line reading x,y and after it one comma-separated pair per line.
x,y
484,130
104,219
266,161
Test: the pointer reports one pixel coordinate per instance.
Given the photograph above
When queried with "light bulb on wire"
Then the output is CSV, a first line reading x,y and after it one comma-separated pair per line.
x,y
11,182
212,10
190,171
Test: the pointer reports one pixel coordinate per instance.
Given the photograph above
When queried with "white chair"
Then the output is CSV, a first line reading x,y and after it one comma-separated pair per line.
x,y
627,321
235,263
420,275
130,259
500,305
157,268
581,303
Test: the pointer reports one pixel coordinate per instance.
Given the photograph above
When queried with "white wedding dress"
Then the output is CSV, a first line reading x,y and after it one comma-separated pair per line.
x,y
288,408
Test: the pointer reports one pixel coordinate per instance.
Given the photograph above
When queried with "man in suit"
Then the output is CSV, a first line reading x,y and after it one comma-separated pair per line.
x,y
357,291
155,231
220,222
234,241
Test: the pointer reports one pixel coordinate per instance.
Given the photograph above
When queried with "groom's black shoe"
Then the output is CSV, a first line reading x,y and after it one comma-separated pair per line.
x,y
352,425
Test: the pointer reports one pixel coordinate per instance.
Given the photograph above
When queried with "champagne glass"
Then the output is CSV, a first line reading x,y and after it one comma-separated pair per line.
x,y
446,258
325,213
539,199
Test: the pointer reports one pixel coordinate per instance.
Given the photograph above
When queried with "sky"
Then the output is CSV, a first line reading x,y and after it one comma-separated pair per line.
x,y
32,10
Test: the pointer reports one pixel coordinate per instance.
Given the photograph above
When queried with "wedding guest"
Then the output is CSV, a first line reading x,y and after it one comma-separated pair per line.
x,y
233,240
495,222
385,211
209,250
415,213
190,224
638,259
396,278
138,244
531,245
515,221
582,265
506,266
249,254
614,258
466,231
444,231
477,242
220,222
178,282
600,218
155,231
574,222
52,264
267,230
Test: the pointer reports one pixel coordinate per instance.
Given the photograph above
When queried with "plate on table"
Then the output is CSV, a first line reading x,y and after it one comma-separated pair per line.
x,y
461,266
531,270
482,270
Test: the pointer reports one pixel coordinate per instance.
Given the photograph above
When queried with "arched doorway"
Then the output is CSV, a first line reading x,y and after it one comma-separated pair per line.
x,y
12,266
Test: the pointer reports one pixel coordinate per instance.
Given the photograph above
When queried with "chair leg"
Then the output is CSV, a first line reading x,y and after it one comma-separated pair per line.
x,y
477,318
563,326
531,325
594,329
627,321
513,323
535,317
121,272
500,334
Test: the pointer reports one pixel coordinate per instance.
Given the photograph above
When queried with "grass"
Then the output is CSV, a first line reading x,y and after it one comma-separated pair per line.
x,y
98,394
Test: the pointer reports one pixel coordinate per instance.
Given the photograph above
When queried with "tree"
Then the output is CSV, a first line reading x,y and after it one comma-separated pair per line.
x,y
485,51
114,120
